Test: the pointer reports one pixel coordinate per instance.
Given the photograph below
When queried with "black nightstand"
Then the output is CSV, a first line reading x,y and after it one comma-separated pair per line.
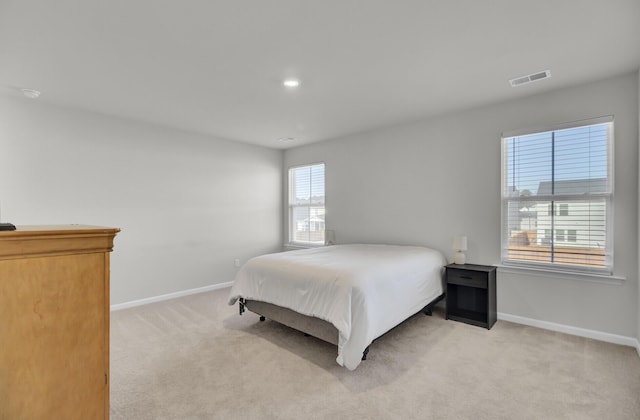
x,y
471,294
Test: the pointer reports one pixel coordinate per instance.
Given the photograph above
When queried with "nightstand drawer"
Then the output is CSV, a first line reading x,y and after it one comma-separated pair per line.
x,y
467,278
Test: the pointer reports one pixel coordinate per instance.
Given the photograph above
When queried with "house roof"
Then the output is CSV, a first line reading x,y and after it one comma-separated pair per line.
x,y
573,186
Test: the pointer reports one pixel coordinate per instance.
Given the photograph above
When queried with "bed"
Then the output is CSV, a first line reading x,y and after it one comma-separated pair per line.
x,y
348,295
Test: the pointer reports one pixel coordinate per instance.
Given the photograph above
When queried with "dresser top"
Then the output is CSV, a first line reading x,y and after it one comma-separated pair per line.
x,y
48,240
53,228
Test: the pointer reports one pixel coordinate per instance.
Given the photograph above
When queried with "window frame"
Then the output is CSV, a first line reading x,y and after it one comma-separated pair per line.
x,y
291,206
607,268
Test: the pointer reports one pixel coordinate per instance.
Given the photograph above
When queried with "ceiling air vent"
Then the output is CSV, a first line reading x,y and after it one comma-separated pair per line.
x,y
523,80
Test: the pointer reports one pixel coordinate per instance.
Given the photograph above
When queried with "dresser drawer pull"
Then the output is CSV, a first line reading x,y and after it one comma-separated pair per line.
x,y
466,277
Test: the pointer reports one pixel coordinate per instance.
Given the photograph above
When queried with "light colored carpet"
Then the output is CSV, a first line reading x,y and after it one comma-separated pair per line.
x,y
196,358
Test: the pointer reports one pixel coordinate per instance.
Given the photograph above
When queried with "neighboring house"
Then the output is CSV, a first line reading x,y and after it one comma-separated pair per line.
x,y
312,224
528,217
573,223
312,228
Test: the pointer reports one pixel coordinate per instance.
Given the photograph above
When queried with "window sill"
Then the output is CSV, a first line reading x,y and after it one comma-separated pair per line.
x,y
570,275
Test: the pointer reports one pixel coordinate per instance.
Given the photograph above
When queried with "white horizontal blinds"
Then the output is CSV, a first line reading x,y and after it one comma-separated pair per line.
x,y
306,204
557,193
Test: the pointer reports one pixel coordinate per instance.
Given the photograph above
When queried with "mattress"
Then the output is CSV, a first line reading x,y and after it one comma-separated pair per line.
x,y
363,290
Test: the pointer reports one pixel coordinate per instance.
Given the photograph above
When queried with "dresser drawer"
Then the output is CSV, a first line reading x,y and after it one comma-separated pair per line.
x,y
467,278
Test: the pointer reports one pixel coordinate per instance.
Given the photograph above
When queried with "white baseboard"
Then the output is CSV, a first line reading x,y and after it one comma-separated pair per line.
x,y
146,301
567,329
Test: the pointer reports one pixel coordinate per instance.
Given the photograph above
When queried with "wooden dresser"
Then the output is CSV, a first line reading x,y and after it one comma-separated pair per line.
x,y
54,322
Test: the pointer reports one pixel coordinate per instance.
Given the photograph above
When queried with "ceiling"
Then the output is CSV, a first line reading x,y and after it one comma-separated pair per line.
x,y
216,67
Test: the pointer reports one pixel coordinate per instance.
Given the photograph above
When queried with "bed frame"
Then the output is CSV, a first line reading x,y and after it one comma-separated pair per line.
x,y
309,325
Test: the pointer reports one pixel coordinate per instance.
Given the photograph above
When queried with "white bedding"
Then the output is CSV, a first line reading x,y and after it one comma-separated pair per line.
x,y
363,290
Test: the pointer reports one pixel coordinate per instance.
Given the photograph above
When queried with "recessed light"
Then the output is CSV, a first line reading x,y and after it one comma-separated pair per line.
x,y
30,93
286,139
291,83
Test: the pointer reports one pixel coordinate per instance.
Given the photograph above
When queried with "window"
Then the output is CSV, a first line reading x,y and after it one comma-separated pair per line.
x,y
306,205
563,209
559,181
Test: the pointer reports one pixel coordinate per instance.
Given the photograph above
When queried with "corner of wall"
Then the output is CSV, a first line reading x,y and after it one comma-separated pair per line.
x,y
638,237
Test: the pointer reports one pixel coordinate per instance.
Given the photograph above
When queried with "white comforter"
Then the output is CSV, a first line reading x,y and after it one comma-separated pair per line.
x,y
363,290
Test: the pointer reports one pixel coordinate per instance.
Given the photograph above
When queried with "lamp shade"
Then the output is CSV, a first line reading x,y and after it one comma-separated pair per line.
x,y
459,243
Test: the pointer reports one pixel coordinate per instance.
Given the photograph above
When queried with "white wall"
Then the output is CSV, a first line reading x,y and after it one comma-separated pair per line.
x,y
423,182
187,204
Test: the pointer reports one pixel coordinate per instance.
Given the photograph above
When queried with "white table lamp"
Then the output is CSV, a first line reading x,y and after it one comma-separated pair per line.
x,y
459,245
329,237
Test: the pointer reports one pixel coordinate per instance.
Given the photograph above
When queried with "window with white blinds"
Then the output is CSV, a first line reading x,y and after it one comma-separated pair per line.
x,y
557,194
306,205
